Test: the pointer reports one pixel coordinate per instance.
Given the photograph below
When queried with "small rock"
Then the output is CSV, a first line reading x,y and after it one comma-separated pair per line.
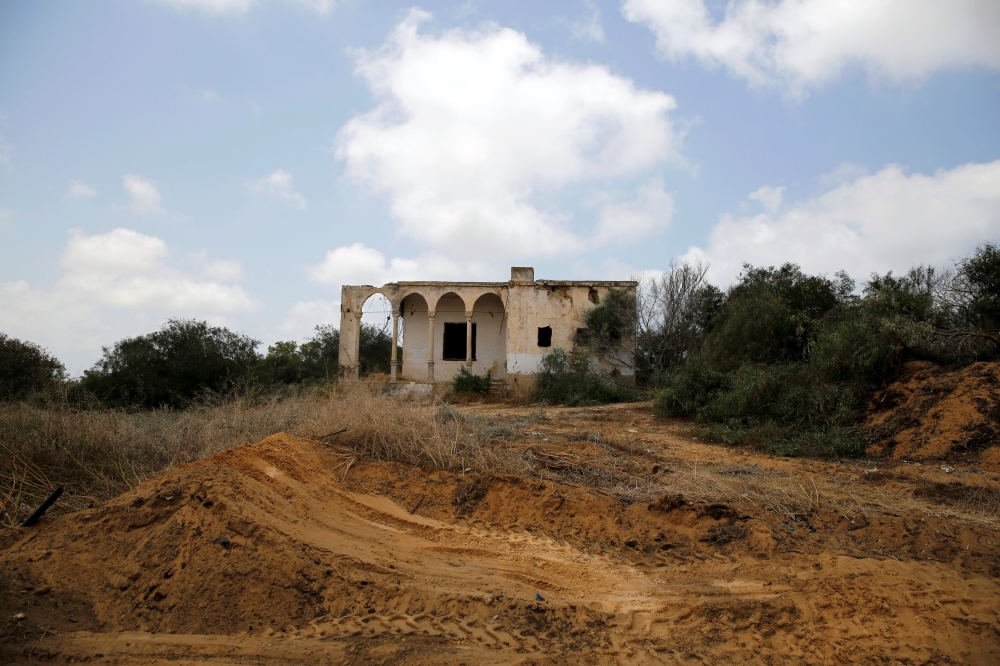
x,y
18,616
539,597
223,541
44,589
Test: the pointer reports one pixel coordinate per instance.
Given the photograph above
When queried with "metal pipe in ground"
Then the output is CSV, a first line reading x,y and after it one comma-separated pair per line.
x,y
40,511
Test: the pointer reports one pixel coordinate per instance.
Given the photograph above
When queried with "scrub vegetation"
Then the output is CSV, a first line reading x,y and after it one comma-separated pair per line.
x,y
790,362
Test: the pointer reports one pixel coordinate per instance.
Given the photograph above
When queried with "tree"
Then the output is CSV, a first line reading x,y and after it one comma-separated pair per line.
x,y
321,354
974,292
172,366
26,368
283,364
376,347
770,313
674,311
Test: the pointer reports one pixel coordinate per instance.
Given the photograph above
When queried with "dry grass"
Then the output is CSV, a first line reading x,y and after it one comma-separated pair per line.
x,y
98,454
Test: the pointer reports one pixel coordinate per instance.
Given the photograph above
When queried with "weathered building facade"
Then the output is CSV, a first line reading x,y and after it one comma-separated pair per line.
x,y
501,327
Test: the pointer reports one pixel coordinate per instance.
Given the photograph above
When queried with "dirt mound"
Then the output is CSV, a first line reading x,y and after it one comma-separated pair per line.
x,y
933,413
290,551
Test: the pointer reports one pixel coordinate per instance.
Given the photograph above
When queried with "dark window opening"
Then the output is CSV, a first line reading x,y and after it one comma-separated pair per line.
x,y
583,336
454,342
544,336
593,296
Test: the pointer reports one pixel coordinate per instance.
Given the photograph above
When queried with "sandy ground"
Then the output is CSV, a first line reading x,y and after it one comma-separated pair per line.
x,y
288,551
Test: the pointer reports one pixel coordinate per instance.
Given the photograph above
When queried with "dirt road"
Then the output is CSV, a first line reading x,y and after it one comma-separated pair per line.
x,y
292,551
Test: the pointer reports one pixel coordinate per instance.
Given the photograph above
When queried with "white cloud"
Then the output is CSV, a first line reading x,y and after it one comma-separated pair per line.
x,y
145,197
241,6
843,173
886,221
358,264
769,197
472,124
796,44
279,184
650,211
591,27
125,269
304,316
115,284
209,95
78,190
6,216
222,270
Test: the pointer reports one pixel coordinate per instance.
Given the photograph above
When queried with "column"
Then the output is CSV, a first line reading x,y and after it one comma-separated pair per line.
x,y
468,338
430,346
357,344
392,354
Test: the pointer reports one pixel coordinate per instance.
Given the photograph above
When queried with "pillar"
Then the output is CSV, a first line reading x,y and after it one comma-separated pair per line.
x,y
357,344
430,346
468,338
392,354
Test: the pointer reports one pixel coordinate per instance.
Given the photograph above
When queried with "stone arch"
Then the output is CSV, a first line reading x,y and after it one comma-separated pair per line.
x,y
448,298
490,318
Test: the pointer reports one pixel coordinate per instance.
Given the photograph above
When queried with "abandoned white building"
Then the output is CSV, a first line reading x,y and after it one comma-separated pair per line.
x,y
501,327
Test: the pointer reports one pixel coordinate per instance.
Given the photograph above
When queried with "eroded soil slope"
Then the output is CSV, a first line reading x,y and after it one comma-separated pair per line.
x,y
292,551
933,413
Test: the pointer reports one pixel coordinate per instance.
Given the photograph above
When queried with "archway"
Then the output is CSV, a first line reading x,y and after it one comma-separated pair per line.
x,y
374,342
490,321
453,343
413,319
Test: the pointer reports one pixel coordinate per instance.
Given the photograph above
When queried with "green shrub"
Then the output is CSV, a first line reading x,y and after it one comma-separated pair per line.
x,y
466,382
770,314
26,368
173,366
577,379
321,354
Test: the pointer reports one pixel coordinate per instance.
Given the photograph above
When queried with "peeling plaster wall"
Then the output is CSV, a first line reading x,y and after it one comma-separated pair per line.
x,y
558,305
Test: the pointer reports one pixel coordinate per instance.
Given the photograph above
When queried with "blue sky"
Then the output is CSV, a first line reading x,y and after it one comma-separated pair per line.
x,y
239,160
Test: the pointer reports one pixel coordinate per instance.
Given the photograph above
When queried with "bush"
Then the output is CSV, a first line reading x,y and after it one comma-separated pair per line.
x,y
173,366
26,368
376,347
321,354
973,297
466,382
770,314
576,379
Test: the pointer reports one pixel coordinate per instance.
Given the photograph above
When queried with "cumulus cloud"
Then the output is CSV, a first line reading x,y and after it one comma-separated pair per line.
x,y
589,28
279,184
769,197
358,264
472,124
889,220
126,269
302,318
78,190
145,197
118,283
650,211
796,44
241,6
